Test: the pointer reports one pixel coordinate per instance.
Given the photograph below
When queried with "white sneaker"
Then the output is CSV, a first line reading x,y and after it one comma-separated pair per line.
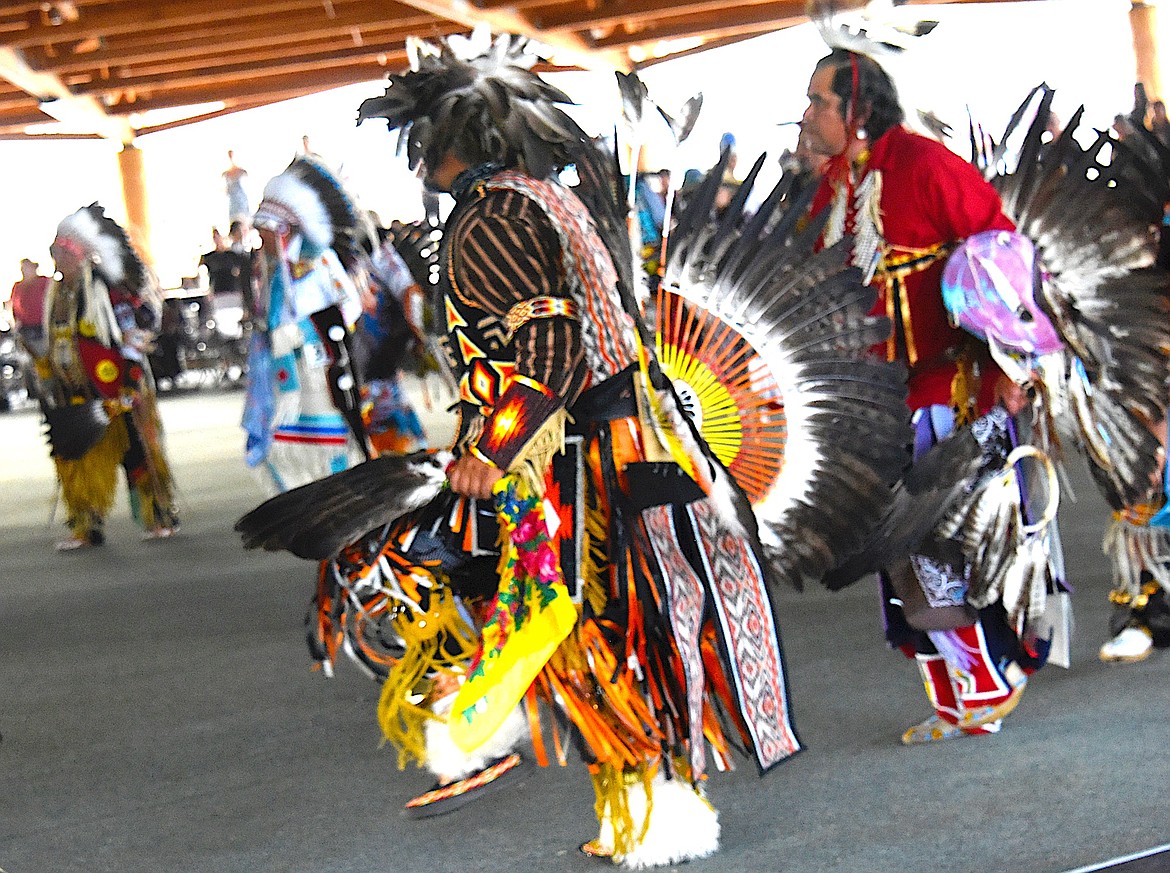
x,y
1132,644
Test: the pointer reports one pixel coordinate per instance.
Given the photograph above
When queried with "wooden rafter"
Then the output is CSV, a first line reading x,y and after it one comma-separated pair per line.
x,y
240,34
507,20
275,87
231,72
712,25
586,16
114,58
54,99
122,18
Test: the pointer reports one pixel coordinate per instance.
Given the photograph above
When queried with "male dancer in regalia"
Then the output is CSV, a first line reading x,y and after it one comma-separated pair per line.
x,y
97,390
549,357
908,201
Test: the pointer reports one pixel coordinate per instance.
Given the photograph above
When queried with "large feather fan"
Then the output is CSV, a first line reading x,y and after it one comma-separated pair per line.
x,y
1092,212
767,343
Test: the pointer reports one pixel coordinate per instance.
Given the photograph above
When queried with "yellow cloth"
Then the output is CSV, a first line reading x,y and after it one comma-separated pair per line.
x,y
531,615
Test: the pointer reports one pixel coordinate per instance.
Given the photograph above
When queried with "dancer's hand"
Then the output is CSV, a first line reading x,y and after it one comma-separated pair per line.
x,y
1010,396
473,478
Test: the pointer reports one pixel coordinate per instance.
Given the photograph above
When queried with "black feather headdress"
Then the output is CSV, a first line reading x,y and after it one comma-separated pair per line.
x,y
481,101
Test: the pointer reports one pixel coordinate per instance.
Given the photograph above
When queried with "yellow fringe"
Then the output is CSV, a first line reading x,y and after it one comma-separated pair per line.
x,y
156,491
88,484
439,640
595,589
611,789
533,460
964,389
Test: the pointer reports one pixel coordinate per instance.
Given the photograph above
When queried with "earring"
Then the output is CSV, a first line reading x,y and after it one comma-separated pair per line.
x,y
861,134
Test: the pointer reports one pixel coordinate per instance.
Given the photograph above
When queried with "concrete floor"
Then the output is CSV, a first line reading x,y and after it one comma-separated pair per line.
x,y
158,714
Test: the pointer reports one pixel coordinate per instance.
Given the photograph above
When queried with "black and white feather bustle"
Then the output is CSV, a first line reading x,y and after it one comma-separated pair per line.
x,y
922,500
1092,213
317,520
822,480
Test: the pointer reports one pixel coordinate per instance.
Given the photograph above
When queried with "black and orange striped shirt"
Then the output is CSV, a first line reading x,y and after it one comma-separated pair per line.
x,y
505,251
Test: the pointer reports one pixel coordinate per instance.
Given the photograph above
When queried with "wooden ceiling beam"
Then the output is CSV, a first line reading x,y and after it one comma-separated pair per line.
x,y
581,17
231,55
25,117
712,25
17,8
277,88
20,101
699,49
58,101
232,72
18,134
576,50
141,17
242,106
231,62
521,4
251,32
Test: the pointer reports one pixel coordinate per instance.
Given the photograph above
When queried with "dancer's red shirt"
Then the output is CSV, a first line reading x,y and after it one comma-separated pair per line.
x,y
929,197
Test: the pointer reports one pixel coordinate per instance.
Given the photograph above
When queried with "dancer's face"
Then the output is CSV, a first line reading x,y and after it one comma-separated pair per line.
x,y
67,258
440,177
823,126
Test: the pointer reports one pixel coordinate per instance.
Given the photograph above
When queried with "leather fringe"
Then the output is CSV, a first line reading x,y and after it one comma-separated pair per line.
x,y
89,484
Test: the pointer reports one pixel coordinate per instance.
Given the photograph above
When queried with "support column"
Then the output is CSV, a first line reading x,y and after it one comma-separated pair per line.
x,y
133,171
1143,22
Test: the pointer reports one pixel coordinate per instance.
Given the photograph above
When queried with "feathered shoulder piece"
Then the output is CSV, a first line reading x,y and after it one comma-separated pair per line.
x,y
482,95
103,241
309,196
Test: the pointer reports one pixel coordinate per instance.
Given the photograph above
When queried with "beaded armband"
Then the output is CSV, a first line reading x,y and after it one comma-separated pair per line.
x,y
525,428
538,307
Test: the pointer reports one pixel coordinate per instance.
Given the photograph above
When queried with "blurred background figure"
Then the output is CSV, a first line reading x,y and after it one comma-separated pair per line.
x,y
233,182
388,341
28,307
98,394
302,413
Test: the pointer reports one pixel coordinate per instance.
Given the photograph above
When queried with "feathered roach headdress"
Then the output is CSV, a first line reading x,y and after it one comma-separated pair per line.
x,y
874,30
103,241
309,197
482,102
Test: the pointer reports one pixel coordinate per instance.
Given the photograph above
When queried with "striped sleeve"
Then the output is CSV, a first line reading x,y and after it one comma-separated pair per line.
x,y
507,253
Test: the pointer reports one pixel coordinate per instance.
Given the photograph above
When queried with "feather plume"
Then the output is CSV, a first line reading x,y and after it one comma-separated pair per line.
x,y
871,28
317,520
1091,211
786,333
483,96
921,500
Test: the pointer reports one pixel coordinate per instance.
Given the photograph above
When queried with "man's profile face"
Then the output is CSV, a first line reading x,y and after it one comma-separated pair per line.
x,y
823,125
67,258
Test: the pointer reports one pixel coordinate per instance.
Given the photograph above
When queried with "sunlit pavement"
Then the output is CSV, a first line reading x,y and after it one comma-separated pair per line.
x,y
159,714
